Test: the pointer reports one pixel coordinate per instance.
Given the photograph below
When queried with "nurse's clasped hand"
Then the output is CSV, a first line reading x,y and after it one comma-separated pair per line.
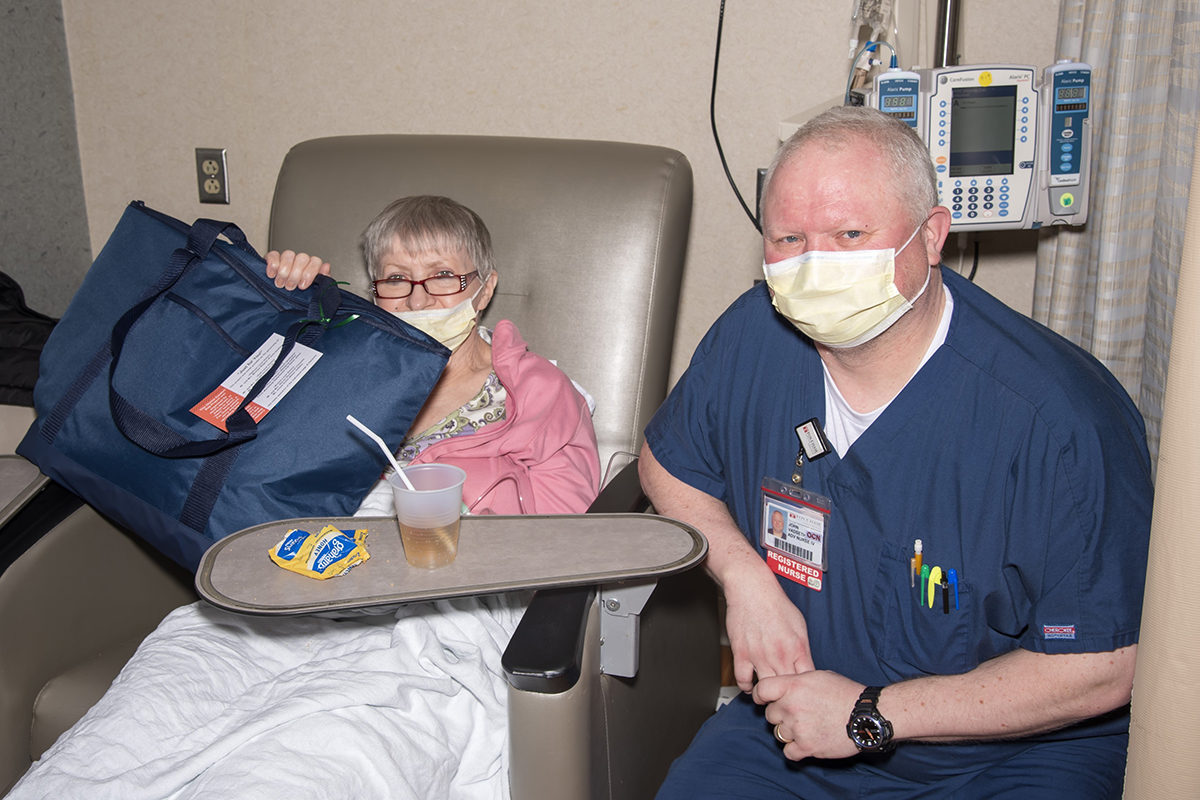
x,y
811,709
767,633
293,270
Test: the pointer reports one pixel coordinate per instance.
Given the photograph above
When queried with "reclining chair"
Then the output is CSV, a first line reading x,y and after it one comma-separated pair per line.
x,y
589,240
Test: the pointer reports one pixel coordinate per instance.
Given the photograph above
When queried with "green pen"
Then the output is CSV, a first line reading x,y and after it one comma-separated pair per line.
x,y
924,581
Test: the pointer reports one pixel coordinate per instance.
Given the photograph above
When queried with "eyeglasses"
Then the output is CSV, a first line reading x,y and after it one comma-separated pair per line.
x,y
396,287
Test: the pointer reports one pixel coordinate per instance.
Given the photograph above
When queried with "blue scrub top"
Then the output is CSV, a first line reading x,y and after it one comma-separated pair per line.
x,y
1014,456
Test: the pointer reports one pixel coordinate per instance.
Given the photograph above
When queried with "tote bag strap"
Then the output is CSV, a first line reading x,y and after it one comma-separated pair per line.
x,y
204,230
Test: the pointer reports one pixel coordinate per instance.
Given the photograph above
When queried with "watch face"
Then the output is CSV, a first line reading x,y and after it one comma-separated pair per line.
x,y
867,732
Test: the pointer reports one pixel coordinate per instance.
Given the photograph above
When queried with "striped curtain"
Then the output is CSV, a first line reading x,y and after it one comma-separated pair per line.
x,y
1109,286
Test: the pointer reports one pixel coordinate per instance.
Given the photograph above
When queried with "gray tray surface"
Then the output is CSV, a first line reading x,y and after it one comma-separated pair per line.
x,y
495,554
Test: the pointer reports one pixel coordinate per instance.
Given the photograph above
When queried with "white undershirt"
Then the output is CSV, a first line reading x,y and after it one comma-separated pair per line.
x,y
843,425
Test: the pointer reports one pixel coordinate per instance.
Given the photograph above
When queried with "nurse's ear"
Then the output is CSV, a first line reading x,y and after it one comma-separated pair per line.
x,y
937,228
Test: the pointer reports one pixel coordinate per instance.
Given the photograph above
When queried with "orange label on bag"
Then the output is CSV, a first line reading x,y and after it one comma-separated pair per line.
x,y
217,407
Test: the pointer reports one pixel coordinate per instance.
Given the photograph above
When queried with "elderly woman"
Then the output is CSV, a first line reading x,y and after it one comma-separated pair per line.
x,y
509,418
406,706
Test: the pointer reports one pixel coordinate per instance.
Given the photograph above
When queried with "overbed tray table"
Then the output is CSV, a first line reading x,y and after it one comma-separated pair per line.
x,y
495,554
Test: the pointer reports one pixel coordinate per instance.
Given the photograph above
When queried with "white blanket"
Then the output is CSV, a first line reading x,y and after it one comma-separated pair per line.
x,y
218,705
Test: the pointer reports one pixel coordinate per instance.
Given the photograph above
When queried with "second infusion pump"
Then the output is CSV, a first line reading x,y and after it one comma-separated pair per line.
x,y
1010,152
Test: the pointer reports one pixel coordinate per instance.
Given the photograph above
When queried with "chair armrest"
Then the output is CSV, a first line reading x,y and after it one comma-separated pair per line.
x,y
40,515
546,650
70,603
622,495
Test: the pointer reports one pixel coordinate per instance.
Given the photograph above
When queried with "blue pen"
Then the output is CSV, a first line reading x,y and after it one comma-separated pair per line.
x,y
954,583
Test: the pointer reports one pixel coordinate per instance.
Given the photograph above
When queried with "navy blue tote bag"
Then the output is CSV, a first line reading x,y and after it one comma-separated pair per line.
x,y
167,313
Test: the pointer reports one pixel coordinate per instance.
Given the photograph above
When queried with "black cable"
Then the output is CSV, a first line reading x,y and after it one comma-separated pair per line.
x,y
975,263
712,115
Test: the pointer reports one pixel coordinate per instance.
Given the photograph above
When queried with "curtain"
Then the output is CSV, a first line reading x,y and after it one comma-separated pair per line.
x,y
1109,286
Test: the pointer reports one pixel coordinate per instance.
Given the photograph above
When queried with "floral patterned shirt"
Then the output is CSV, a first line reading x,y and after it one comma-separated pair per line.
x,y
482,409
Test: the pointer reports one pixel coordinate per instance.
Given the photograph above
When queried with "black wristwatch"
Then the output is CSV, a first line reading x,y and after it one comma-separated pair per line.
x,y
867,727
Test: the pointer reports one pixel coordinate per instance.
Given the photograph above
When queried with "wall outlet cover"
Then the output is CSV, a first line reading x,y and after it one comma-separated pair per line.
x,y
211,178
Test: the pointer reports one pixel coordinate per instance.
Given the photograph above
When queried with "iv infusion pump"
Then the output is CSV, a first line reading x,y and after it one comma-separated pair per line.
x,y
1009,151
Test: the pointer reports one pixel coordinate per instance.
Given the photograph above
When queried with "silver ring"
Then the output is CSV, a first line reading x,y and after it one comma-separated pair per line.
x,y
779,737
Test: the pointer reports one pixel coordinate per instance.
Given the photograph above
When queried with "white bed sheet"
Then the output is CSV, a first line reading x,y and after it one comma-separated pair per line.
x,y
220,705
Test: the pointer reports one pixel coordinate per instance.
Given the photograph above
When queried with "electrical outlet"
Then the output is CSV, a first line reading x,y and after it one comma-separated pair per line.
x,y
211,178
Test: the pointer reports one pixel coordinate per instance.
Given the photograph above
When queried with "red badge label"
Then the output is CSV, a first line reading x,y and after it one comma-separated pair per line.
x,y
795,571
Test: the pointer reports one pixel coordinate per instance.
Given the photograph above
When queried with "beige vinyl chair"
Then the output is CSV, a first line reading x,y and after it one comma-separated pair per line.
x,y
590,240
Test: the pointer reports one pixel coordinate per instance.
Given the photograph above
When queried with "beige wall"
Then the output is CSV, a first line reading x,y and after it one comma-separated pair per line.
x,y
154,79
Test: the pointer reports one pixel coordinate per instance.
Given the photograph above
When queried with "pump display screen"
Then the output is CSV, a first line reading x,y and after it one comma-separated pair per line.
x,y
1070,98
898,101
982,129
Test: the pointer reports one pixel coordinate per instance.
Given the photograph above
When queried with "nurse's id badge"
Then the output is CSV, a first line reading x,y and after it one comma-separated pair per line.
x,y
795,523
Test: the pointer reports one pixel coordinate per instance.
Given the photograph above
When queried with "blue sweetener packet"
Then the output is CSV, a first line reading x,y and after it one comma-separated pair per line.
x,y
328,554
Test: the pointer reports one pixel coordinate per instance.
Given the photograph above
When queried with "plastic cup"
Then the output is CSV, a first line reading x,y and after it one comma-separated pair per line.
x,y
429,516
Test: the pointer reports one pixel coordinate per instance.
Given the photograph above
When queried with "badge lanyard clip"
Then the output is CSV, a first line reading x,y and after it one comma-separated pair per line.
x,y
813,445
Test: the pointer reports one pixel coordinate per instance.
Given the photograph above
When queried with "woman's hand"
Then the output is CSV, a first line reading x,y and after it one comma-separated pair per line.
x,y
294,270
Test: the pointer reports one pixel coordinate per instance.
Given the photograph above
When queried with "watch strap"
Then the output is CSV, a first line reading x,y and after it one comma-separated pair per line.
x,y
869,699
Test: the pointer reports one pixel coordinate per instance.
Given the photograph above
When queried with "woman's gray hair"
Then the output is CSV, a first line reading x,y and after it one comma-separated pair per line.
x,y
428,222
912,169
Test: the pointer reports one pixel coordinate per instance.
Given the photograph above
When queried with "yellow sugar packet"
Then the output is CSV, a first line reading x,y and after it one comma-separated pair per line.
x,y
328,554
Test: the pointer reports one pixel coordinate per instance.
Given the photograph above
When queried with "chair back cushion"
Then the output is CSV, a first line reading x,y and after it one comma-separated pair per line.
x,y
589,239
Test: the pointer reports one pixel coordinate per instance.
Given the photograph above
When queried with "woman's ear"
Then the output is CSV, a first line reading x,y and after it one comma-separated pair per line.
x,y
485,296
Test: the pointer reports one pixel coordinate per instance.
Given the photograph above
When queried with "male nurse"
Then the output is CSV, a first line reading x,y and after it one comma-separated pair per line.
x,y
879,399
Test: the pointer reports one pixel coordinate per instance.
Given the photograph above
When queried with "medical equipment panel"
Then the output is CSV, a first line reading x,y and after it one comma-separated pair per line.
x,y
1009,153
1067,121
981,132
899,95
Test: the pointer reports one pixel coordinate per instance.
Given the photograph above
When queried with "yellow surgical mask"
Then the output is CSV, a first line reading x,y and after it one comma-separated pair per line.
x,y
840,298
450,326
